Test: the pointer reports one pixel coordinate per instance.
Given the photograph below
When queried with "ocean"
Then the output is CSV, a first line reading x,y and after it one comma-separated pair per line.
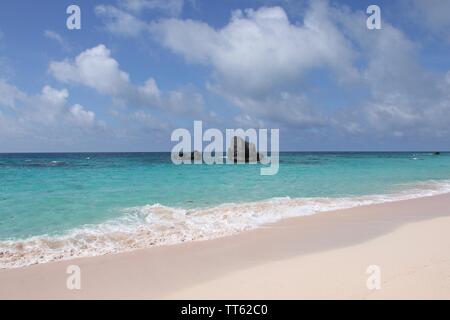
x,y
62,206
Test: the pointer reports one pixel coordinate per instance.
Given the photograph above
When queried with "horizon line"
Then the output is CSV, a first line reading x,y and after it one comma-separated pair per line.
x,y
288,151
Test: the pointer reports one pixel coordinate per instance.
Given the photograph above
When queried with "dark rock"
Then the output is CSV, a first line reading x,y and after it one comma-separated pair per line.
x,y
193,156
241,151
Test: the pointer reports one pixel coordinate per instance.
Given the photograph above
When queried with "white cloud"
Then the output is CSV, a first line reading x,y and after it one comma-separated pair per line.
x,y
53,96
147,120
119,22
47,121
260,56
82,116
447,79
260,61
96,69
52,35
283,109
404,98
431,14
259,50
9,95
170,7
42,117
93,68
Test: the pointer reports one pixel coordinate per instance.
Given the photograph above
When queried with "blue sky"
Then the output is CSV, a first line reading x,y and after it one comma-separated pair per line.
x,y
138,69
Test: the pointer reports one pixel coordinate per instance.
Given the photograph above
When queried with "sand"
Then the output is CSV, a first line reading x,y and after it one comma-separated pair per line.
x,y
324,256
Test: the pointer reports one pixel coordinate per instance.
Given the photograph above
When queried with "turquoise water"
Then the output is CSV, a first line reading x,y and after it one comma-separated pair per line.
x,y
51,195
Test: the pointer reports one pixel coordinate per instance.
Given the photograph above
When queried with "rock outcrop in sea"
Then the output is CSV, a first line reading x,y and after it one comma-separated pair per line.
x,y
241,151
185,156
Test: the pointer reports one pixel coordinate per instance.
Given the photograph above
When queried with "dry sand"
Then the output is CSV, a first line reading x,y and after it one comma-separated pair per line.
x,y
321,256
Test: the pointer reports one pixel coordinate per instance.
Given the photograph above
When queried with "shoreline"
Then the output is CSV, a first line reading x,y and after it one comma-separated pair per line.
x,y
172,225
290,259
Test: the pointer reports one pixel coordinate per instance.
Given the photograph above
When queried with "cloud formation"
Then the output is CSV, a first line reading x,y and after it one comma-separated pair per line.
x,y
260,49
260,57
52,35
96,69
431,14
43,117
169,7
405,99
261,60
93,68
318,70
119,22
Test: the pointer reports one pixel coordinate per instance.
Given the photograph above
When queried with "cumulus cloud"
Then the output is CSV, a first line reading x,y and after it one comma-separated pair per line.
x,y
42,117
47,121
81,116
260,61
259,50
9,94
119,22
123,21
283,109
264,63
96,69
170,7
260,57
405,99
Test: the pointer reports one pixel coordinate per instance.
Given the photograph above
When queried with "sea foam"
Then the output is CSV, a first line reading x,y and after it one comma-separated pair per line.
x,y
152,225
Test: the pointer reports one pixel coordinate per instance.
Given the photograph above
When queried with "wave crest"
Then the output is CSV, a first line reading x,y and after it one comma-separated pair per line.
x,y
151,225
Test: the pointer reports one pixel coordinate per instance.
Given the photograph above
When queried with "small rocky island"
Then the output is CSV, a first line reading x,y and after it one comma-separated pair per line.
x,y
242,151
239,151
188,156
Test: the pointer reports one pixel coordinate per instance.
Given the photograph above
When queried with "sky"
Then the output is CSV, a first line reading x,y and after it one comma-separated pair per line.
x,y
138,69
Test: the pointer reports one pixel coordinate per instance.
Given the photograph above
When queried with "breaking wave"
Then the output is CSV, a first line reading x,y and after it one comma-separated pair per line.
x,y
152,225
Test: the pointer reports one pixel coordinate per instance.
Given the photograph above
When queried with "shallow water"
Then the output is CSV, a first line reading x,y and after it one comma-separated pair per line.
x,y
58,206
